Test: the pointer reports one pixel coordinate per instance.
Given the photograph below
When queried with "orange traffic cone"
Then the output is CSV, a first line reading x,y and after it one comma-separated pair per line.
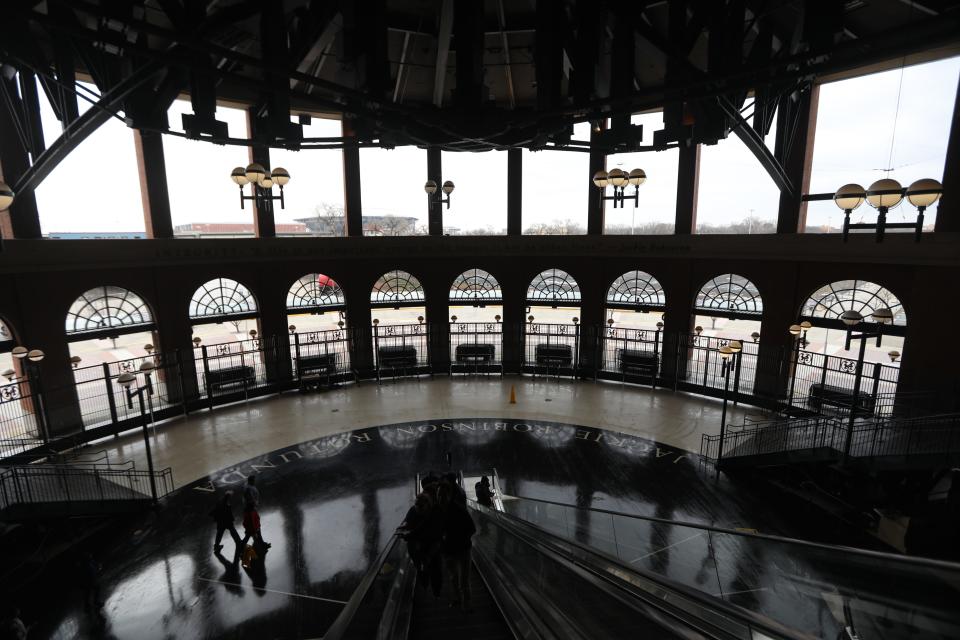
x,y
513,394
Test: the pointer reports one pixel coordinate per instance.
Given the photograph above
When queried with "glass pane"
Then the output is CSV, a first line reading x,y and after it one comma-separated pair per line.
x,y
479,203
313,199
656,211
391,191
108,156
556,185
736,194
891,124
203,199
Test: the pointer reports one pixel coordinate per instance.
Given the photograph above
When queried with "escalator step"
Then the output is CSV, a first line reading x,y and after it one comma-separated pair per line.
x,y
434,619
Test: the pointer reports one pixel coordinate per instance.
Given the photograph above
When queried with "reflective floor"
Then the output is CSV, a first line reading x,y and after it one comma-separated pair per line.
x,y
330,504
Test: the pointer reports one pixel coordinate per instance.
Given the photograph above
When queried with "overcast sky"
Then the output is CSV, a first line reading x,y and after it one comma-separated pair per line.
x,y
857,122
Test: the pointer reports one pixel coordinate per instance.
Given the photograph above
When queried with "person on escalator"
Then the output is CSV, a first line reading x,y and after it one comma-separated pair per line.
x,y
484,494
458,529
421,528
458,494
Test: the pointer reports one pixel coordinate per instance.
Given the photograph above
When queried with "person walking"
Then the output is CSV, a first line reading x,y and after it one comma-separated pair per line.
x,y
251,495
222,514
458,529
251,529
484,494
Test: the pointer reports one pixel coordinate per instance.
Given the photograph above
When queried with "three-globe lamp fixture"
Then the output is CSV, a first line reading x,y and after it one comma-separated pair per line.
x,y
884,195
262,180
619,180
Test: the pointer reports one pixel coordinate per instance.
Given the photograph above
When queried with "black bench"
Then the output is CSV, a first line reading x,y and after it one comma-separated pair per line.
x,y
821,395
397,356
554,355
633,360
227,376
322,363
475,353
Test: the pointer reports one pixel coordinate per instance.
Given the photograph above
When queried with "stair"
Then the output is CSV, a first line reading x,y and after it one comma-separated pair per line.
x,y
434,619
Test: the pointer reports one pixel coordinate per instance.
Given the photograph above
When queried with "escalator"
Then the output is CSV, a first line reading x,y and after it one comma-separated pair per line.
x,y
531,584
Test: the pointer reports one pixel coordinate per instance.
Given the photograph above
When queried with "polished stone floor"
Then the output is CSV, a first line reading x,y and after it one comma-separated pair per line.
x,y
331,503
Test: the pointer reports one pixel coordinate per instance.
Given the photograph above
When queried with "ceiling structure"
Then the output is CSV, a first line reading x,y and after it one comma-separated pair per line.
x,y
467,75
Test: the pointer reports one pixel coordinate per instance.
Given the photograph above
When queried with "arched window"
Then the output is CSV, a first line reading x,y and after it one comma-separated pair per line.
x,y
553,287
729,296
397,288
222,298
315,292
6,337
475,286
824,307
636,290
107,309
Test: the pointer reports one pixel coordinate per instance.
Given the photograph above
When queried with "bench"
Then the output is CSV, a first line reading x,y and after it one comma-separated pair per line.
x,y
226,376
821,395
636,360
554,355
397,356
475,353
322,363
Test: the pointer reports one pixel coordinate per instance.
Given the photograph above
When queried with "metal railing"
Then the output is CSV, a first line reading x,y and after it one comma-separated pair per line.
x,y
552,349
822,382
401,349
54,484
322,354
825,437
18,414
476,347
633,355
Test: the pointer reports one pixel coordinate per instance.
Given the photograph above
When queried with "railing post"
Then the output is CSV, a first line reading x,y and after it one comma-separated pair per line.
x,y
108,383
576,351
180,386
206,376
296,355
706,363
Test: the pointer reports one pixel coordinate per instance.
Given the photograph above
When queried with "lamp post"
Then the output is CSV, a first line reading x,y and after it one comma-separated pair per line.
x,y
884,195
127,380
737,347
446,189
30,360
798,343
619,179
262,180
851,319
726,353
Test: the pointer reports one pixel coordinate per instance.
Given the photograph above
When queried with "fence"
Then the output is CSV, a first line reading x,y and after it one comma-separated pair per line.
x,y
631,354
46,484
699,363
232,369
19,419
401,349
476,347
321,353
822,381
103,401
774,436
553,349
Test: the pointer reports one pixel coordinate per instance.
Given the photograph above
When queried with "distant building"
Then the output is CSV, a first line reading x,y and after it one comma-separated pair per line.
x,y
231,229
97,235
372,225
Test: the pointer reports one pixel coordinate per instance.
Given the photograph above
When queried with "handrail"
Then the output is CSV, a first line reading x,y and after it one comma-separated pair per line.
x,y
876,555
345,617
585,557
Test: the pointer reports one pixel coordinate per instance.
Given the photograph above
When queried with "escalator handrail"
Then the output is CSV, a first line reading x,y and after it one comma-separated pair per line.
x,y
867,553
342,622
751,620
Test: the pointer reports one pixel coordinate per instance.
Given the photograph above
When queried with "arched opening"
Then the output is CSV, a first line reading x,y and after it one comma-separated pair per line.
x,y
824,365
476,311
316,315
226,338
632,339
399,326
727,308
552,336
111,331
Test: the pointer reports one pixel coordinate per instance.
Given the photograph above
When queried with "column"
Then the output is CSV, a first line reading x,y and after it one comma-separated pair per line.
x,y
688,182
264,225
21,220
435,210
796,127
595,205
514,192
353,210
948,209
153,184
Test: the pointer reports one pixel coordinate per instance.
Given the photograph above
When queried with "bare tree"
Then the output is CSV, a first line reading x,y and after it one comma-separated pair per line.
x,y
394,226
330,219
